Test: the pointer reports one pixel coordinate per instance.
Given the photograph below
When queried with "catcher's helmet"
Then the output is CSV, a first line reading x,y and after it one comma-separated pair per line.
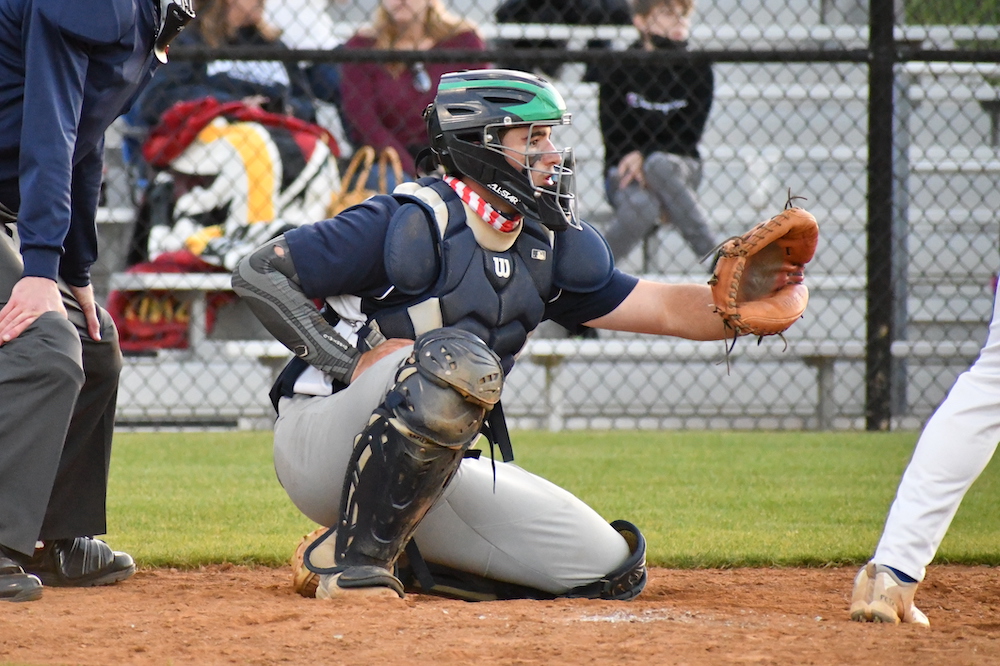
x,y
466,124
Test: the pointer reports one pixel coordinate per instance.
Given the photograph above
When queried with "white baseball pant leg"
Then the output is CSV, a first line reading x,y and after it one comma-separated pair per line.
x,y
956,445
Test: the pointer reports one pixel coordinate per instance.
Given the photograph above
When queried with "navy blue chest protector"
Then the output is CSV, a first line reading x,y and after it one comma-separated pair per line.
x,y
445,278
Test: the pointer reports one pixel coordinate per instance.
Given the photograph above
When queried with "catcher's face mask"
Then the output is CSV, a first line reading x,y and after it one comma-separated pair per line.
x,y
548,169
174,15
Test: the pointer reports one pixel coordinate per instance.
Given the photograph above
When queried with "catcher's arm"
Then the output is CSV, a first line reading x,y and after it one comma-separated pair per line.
x,y
757,288
681,310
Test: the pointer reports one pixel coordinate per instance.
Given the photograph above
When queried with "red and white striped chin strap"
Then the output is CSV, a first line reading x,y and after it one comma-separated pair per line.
x,y
491,215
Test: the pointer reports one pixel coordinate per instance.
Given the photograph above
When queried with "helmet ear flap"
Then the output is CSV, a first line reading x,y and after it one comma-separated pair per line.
x,y
438,144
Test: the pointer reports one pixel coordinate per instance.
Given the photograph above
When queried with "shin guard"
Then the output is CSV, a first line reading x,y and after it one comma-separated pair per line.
x,y
413,445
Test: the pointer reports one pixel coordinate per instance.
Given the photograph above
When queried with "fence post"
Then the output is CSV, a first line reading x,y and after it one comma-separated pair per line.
x,y
881,287
903,108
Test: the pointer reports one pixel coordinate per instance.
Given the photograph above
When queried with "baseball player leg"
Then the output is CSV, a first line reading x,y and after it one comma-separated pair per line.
x,y
636,215
673,179
519,535
406,455
956,445
314,438
313,443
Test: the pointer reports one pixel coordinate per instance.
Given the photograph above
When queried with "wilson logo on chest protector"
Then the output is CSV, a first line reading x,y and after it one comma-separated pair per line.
x,y
501,266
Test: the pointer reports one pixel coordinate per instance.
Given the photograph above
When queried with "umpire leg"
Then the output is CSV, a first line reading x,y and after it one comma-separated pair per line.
x,y
41,373
59,390
77,506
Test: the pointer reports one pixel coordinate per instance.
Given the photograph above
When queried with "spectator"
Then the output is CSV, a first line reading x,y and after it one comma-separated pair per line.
x,y
273,86
652,117
392,115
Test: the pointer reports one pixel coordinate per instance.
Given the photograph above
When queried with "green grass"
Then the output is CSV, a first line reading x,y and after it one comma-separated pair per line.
x,y
703,499
953,12
185,499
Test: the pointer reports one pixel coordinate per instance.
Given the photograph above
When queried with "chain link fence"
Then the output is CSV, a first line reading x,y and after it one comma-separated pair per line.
x,y
887,127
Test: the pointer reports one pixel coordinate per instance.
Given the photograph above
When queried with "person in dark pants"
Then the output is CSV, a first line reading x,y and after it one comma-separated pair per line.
x,y
652,118
67,70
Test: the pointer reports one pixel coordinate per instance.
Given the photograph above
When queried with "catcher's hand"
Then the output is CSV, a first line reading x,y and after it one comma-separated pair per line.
x,y
757,284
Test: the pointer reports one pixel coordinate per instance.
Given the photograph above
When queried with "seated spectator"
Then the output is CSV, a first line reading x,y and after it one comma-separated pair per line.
x,y
275,87
652,117
383,103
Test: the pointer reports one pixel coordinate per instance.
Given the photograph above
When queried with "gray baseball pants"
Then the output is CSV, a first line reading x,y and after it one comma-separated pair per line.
x,y
59,390
527,531
671,181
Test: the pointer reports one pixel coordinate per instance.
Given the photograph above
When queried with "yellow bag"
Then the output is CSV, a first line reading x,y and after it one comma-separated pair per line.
x,y
352,185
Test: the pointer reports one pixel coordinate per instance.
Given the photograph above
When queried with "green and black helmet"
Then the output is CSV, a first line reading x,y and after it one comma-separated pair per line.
x,y
466,124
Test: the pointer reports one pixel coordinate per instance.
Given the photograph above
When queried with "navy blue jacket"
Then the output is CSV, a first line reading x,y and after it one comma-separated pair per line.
x,y
68,68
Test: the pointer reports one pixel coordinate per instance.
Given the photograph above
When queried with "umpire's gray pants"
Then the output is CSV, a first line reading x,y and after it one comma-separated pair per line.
x,y
528,531
58,390
671,181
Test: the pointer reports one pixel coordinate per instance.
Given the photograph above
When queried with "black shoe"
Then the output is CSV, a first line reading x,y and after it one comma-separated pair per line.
x,y
15,585
79,562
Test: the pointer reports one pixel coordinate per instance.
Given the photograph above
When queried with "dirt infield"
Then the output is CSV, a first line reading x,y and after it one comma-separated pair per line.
x,y
224,615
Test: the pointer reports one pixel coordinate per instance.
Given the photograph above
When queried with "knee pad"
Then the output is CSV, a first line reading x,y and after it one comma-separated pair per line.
x,y
445,388
456,358
629,579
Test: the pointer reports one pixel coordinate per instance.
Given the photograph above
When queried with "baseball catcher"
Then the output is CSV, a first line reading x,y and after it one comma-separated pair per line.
x,y
429,294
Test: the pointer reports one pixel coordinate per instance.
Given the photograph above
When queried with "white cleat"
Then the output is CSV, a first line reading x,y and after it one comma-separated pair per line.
x,y
880,596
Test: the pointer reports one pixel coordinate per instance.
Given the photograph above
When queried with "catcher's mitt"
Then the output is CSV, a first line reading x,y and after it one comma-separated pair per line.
x,y
303,580
757,284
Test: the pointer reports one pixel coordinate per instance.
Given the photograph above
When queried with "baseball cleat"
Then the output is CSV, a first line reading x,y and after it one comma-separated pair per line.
x,y
79,562
861,595
305,581
15,585
880,596
368,581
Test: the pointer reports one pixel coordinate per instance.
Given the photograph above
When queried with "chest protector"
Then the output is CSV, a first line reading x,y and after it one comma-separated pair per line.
x,y
442,276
